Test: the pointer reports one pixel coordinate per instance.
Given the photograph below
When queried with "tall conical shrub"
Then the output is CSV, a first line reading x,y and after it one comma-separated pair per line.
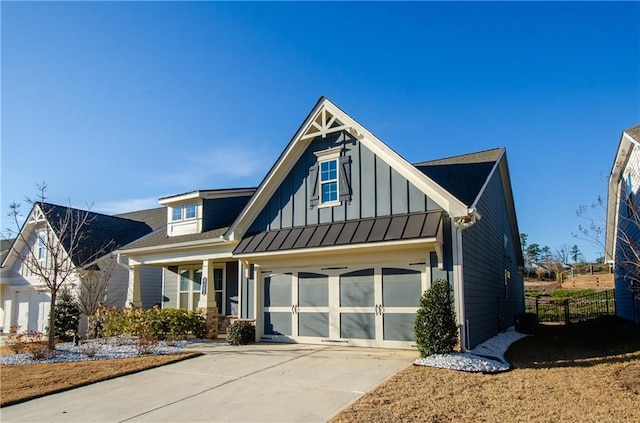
x,y
67,315
435,325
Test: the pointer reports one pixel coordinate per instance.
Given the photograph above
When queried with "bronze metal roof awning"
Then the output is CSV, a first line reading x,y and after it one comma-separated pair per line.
x,y
380,229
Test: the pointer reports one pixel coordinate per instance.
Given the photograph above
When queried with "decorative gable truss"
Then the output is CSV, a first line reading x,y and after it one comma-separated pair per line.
x,y
326,119
325,123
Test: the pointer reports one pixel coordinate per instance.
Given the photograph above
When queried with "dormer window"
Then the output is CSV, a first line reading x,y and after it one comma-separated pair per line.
x,y
185,212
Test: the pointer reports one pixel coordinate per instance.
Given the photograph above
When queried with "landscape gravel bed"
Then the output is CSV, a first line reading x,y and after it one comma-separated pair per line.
x,y
101,349
487,357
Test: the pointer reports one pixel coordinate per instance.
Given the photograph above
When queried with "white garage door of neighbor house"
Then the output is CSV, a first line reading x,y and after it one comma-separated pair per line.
x,y
32,310
359,306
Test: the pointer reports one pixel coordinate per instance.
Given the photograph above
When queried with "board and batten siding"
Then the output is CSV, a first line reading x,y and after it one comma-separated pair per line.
x,y
377,190
487,251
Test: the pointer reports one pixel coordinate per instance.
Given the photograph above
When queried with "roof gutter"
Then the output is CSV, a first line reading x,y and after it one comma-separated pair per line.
x,y
178,245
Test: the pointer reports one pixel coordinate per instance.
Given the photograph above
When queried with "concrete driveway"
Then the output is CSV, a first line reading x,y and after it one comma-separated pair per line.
x,y
254,383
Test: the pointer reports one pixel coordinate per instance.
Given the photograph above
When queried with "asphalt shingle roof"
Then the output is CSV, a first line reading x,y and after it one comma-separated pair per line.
x,y
634,132
160,237
102,233
463,176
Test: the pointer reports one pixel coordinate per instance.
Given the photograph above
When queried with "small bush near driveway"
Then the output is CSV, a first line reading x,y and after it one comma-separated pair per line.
x,y
241,332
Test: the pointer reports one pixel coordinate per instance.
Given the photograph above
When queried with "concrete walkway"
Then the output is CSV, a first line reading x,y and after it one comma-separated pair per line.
x,y
254,383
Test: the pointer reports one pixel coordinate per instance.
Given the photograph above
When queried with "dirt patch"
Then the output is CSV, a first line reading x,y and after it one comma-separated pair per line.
x,y
568,373
630,377
24,382
4,350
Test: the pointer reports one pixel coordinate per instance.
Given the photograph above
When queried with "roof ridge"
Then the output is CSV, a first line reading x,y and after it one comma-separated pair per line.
x,y
460,156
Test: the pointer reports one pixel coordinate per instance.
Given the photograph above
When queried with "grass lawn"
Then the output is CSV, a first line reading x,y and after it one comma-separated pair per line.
x,y
587,372
23,382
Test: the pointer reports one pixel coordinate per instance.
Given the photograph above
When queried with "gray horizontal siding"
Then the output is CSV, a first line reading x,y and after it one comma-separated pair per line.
x,y
485,259
170,287
377,190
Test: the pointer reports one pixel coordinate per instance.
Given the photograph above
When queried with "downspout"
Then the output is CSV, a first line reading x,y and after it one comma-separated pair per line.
x,y
460,224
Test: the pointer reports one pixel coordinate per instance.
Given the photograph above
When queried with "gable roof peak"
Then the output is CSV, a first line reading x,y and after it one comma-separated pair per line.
x,y
483,156
634,132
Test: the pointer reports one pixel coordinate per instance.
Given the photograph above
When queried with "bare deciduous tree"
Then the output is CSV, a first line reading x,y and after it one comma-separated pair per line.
x,y
56,247
94,290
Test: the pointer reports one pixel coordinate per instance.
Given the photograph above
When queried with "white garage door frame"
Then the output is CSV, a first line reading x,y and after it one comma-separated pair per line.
x,y
333,313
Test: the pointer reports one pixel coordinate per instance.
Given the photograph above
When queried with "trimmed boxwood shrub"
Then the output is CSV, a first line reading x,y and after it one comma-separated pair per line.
x,y
241,332
435,325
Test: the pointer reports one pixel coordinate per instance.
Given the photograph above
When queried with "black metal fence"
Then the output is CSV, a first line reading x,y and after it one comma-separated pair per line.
x,y
570,310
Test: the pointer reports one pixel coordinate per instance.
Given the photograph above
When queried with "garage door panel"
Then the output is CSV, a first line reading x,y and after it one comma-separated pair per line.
x,y
313,324
401,287
277,291
313,290
357,289
358,325
277,323
399,326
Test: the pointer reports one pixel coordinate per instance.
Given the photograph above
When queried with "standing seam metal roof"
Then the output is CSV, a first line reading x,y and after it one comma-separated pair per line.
x,y
387,228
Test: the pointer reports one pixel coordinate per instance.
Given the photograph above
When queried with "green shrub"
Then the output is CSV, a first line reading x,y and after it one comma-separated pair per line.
x,y
435,325
241,332
155,323
67,316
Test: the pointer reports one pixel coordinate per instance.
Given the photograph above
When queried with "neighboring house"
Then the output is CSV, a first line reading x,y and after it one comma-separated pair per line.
x,y
623,225
342,237
25,300
198,271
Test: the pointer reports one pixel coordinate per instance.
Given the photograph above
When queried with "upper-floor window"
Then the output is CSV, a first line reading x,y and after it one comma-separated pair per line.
x,y
328,181
330,178
187,211
42,246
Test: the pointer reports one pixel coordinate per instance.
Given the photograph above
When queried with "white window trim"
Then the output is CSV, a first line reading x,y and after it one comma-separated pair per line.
x,y
191,271
183,212
332,154
223,307
41,247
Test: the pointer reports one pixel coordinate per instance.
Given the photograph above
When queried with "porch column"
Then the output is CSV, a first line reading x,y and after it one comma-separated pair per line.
x,y
133,291
207,302
257,302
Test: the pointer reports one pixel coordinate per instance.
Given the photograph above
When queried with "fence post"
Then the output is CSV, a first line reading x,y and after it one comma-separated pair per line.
x,y
567,320
606,295
537,312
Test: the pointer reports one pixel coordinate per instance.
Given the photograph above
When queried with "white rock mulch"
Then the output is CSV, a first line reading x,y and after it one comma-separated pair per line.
x,y
487,357
104,349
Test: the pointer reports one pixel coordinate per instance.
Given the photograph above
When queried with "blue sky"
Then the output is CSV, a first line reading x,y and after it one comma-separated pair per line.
x,y
119,103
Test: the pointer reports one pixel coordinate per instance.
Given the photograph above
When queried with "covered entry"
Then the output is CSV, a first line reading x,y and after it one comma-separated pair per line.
x,y
362,306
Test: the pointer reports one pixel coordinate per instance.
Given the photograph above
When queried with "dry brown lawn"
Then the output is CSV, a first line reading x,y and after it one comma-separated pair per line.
x,y
585,372
23,382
